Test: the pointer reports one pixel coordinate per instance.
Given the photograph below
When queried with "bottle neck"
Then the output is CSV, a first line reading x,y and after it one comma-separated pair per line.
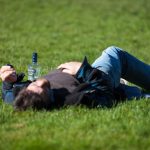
x,y
34,62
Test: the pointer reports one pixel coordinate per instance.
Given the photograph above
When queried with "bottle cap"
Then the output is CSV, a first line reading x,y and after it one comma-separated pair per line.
x,y
34,57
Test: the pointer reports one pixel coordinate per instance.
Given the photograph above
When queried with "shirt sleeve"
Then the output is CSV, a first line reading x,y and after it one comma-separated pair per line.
x,y
7,89
7,93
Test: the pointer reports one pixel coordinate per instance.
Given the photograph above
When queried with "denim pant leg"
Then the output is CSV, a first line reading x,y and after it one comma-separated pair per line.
x,y
109,62
118,63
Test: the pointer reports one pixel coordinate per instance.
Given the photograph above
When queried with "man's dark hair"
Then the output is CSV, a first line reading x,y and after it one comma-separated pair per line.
x,y
27,99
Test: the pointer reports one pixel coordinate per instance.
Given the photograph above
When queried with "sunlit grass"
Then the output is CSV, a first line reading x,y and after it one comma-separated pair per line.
x,y
68,30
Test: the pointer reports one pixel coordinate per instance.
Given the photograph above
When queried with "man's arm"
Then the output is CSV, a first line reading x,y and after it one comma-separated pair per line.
x,y
82,71
70,67
9,78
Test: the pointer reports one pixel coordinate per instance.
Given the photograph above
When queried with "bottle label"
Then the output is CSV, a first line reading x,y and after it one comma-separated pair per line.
x,y
33,73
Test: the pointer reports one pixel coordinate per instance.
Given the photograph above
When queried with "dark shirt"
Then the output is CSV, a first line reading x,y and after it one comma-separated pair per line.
x,y
59,79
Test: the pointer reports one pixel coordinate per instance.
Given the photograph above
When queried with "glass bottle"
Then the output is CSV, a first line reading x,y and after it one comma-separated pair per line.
x,y
34,68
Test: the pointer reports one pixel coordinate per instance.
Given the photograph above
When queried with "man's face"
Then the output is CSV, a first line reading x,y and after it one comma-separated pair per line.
x,y
40,86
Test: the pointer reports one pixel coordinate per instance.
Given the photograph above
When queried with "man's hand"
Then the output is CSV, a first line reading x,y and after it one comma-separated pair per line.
x,y
8,74
70,67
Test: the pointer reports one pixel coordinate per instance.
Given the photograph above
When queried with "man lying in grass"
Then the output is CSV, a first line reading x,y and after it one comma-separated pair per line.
x,y
75,83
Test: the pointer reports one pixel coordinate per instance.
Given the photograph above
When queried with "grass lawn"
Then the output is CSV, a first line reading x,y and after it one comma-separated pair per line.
x,y
67,30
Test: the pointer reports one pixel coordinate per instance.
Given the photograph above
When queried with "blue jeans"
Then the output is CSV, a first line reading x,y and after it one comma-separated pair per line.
x,y
119,64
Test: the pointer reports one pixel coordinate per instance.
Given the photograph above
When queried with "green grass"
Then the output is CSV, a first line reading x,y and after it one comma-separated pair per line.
x,y
67,30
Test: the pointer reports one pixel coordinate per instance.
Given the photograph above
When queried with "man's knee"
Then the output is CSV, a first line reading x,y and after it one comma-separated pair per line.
x,y
112,49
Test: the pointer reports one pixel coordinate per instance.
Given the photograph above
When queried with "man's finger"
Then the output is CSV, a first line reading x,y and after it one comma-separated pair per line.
x,y
6,68
62,66
67,71
7,74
